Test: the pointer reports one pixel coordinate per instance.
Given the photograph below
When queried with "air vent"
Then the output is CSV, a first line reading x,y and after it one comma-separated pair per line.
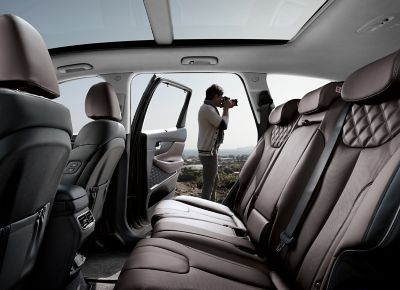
x,y
71,68
381,22
199,60
86,220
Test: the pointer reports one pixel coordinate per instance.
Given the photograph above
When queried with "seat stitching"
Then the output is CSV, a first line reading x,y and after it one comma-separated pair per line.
x,y
386,121
370,120
355,126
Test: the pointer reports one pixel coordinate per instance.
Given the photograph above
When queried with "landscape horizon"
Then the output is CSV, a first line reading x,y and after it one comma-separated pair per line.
x,y
222,151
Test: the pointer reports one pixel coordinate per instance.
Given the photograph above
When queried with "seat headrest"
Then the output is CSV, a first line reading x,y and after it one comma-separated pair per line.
x,y
320,99
102,103
284,114
25,63
382,77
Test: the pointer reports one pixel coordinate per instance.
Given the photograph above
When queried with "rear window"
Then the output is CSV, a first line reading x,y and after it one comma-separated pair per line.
x,y
287,87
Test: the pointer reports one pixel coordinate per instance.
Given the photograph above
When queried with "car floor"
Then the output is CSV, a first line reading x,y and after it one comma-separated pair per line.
x,y
101,269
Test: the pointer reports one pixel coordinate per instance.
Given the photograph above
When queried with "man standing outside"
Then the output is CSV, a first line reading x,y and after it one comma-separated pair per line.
x,y
211,135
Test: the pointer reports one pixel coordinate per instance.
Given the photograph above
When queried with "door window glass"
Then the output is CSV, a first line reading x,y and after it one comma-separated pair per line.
x,y
164,108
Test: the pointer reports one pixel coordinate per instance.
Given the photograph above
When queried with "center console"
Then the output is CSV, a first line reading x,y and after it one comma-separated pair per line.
x,y
70,223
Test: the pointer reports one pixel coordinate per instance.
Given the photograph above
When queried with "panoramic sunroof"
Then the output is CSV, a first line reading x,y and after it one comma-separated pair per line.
x,y
75,22
241,19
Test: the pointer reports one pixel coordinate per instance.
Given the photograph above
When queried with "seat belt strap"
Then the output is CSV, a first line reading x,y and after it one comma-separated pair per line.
x,y
287,237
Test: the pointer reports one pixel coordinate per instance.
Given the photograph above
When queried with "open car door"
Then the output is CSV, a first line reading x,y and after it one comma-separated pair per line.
x,y
158,136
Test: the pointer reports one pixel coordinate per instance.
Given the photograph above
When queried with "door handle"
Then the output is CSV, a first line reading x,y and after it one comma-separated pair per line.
x,y
158,145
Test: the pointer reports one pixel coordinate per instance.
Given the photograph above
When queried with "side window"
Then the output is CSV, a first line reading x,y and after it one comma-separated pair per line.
x,y
286,87
72,95
164,108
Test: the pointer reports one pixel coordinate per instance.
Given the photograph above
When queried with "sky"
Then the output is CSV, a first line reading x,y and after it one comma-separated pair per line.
x,y
167,102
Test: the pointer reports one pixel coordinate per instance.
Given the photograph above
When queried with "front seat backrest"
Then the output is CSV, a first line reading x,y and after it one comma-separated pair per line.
x,y
35,136
98,146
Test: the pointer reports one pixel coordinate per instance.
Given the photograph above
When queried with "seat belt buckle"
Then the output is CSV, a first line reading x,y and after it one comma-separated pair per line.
x,y
285,241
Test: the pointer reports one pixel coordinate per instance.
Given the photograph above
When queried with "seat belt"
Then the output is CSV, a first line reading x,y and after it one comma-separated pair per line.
x,y
287,237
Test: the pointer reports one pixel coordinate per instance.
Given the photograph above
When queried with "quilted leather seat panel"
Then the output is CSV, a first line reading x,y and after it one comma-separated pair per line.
x,y
280,134
371,125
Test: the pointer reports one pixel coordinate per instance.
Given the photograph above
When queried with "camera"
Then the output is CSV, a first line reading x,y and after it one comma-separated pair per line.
x,y
225,98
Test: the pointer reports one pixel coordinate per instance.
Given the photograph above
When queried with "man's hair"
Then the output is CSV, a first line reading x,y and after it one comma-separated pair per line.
x,y
214,90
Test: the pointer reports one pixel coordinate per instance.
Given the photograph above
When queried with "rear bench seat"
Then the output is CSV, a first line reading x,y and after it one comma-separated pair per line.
x,y
349,231
283,119
319,110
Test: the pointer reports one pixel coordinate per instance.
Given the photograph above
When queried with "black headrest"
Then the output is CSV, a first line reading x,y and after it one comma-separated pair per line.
x,y
102,103
320,99
284,113
380,78
25,63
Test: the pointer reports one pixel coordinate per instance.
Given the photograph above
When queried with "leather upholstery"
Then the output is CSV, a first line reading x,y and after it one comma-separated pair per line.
x,y
371,125
102,103
182,267
320,99
284,113
378,79
30,110
294,164
280,134
97,148
289,175
349,233
25,63
35,142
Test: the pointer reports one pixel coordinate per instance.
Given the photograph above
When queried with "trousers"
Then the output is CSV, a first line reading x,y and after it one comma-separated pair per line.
x,y
210,176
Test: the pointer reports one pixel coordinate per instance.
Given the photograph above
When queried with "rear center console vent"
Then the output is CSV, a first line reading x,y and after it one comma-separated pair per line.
x,y
86,220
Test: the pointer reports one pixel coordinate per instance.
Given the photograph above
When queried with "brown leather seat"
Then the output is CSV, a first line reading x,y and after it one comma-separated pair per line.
x,y
35,142
288,175
346,236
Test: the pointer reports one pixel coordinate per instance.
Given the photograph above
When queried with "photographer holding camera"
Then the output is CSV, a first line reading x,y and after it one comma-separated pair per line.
x,y
211,135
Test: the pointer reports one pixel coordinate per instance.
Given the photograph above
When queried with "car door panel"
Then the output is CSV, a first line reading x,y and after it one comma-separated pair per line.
x,y
171,160
156,155
164,161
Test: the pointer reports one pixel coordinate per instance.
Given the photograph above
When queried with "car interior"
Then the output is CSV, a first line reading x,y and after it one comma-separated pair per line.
x,y
315,205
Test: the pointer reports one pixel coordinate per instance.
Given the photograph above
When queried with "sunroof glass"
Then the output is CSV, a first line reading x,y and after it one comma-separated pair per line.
x,y
74,22
241,19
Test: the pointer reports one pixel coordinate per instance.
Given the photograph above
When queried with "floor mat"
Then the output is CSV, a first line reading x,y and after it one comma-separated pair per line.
x,y
104,266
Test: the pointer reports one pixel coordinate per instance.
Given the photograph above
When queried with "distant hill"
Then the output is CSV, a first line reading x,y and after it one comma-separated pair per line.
x,y
222,152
